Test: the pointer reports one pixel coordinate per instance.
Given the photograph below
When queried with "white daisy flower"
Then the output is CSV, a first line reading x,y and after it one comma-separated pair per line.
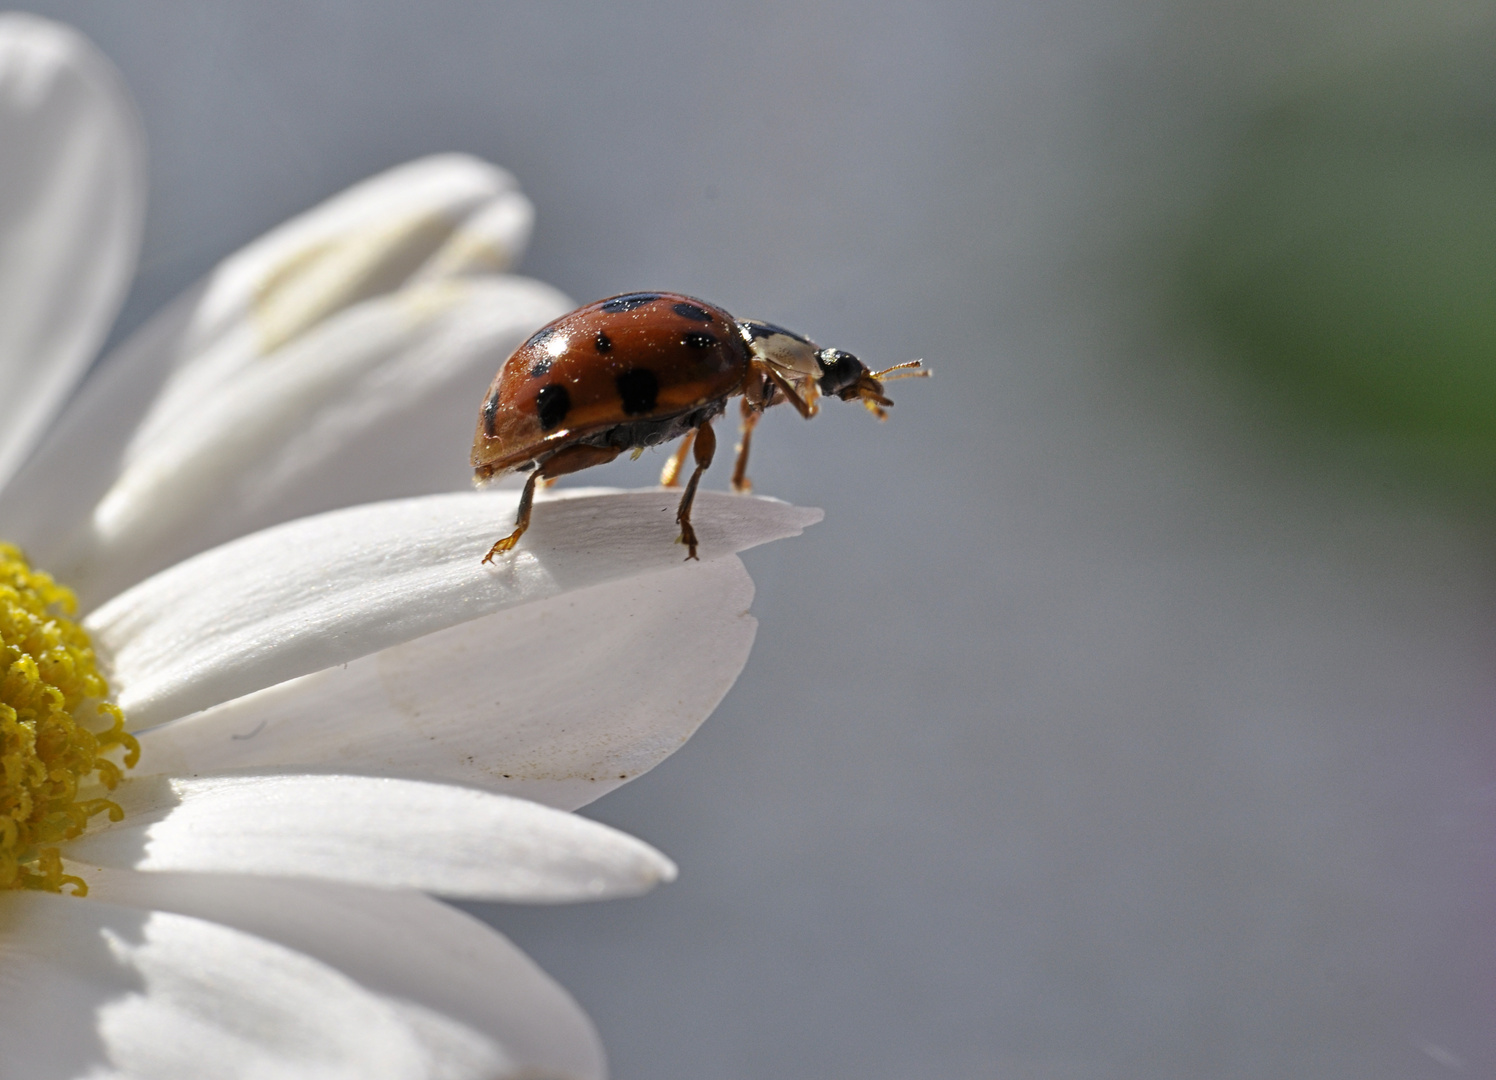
x,y
337,713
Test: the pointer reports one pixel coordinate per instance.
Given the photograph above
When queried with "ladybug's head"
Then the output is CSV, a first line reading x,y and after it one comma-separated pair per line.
x,y
840,372
848,378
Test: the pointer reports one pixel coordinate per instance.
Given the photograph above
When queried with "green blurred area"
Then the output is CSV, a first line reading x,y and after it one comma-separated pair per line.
x,y
1348,261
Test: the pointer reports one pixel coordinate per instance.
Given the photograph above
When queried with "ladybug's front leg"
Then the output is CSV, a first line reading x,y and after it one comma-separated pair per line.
x,y
805,406
706,446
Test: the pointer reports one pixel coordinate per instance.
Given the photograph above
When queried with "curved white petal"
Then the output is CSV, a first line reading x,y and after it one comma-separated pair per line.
x,y
377,401
365,242
374,831
479,1006
326,590
100,990
417,226
72,200
559,701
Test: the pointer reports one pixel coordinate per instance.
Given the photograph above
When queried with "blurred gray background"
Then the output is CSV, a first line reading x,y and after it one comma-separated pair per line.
x,y
1118,721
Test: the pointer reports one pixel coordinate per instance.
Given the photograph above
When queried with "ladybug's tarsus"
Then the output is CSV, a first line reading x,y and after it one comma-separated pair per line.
x,y
706,447
644,369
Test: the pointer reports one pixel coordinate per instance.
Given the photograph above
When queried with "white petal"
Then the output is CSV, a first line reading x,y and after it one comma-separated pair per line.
x,y
102,990
365,242
403,226
480,1007
72,200
326,590
378,401
489,241
559,701
371,831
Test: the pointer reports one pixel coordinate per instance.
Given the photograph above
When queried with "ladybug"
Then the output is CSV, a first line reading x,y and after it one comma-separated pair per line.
x,y
643,368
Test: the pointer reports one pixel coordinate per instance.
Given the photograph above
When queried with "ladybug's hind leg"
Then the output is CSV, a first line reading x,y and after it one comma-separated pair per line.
x,y
706,446
522,522
572,459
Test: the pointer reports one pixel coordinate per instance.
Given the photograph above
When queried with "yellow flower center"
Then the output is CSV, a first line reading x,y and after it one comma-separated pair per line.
x,y
58,734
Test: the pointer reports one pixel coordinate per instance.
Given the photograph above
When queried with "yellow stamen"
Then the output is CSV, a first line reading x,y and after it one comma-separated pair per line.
x,y
59,736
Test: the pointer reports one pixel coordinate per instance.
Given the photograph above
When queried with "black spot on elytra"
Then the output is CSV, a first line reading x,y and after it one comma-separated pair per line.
x,y
638,388
628,301
700,341
540,367
692,312
604,343
490,407
551,405
539,338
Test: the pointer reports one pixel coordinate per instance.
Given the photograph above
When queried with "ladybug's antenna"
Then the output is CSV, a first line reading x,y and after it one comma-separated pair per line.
x,y
869,386
905,371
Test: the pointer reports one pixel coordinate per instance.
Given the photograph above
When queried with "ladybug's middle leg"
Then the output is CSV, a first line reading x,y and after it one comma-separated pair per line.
x,y
670,474
572,459
706,446
740,481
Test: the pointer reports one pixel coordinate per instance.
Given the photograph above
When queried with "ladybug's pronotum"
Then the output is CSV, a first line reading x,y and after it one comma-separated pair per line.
x,y
640,369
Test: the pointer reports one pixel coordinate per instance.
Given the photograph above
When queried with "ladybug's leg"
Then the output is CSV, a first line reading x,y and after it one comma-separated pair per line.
x,y
522,522
572,459
805,408
706,446
670,474
740,481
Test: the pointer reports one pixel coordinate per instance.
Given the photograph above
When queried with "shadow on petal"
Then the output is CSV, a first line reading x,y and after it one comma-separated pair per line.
x,y
60,973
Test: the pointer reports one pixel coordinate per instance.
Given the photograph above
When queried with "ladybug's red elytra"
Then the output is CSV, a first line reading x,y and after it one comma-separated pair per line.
x,y
643,368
